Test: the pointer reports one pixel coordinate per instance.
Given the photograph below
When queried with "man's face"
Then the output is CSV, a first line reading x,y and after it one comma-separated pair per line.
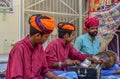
x,y
42,39
92,31
70,38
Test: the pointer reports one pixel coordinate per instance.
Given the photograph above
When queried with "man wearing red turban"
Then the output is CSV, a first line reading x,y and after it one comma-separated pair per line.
x,y
60,49
88,43
27,59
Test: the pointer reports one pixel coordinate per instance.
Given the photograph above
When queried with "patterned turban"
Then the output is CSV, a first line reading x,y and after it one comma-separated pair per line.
x,y
42,23
91,22
66,26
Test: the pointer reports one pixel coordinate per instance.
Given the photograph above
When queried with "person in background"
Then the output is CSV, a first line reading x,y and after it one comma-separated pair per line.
x,y
59,50
27,59
89,43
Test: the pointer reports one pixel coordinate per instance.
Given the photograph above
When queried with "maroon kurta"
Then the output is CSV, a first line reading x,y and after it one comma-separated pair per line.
x,y
57,51
26,61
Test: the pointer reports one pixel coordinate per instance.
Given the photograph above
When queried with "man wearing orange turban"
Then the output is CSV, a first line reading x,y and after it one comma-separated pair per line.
x,y
42,23
27,59
88,43
60,49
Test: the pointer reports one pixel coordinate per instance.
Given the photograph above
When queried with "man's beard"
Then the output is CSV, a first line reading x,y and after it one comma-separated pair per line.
x,y
93,34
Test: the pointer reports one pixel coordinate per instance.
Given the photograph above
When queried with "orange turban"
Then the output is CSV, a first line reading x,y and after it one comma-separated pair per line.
x,y
66,26
91,22
42,23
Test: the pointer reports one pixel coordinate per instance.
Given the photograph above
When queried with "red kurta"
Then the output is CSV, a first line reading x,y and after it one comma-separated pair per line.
x,y
57,51
26,61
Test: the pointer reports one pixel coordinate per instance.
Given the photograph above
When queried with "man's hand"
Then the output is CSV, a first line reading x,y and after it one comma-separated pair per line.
x,y
90,55
72,62
96,61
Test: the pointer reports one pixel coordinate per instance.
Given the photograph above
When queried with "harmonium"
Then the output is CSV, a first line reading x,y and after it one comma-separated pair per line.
x,y
91,70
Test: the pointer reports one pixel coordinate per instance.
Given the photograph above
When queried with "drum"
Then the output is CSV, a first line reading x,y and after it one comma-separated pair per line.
x,y
109,57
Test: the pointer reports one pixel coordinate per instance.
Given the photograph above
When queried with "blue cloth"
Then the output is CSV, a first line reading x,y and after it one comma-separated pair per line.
x,y
111,77
68,75
2,78
110,71
84,44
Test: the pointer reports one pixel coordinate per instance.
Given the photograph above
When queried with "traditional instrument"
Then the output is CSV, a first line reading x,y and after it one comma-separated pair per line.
x,y
87,69
109,58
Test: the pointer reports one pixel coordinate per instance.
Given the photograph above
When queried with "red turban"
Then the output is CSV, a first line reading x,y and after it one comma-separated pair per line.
x,y
66,26
42,23
91,22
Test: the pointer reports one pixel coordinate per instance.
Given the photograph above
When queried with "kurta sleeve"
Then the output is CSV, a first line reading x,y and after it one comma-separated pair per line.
x,y
75,55
51,55
44,68
15,64
78,44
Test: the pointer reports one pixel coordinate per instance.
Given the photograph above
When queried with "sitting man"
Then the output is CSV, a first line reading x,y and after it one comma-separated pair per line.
x,y
89,43
27,59
60,49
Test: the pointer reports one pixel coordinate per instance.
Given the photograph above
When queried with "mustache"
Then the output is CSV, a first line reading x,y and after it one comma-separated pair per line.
x,y
93,33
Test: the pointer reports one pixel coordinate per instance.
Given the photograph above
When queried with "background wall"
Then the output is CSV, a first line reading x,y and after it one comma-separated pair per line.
x,y
9,27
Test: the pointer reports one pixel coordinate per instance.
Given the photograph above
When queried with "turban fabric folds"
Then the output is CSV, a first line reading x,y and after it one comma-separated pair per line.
x,y
91,22
42,23
66,26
